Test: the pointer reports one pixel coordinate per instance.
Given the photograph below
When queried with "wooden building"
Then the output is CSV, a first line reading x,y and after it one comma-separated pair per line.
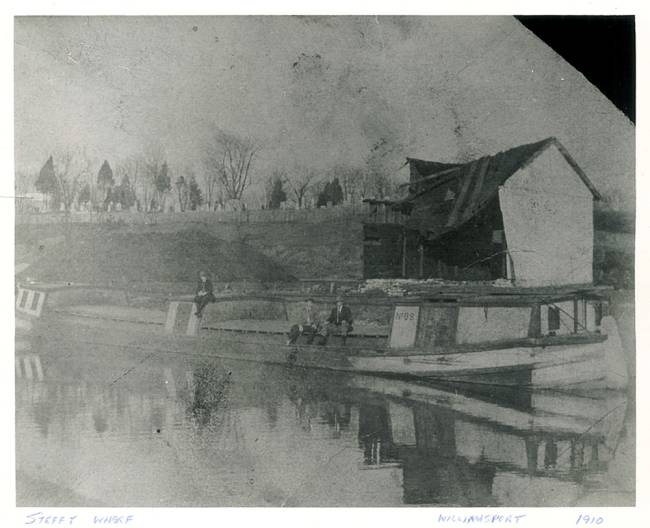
x,y
525,214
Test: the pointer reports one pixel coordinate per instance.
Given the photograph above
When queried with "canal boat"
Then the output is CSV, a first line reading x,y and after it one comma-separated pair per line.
x,y
508,241
539,338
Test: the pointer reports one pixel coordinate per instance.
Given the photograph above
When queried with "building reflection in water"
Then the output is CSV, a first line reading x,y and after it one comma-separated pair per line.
x,y
240,417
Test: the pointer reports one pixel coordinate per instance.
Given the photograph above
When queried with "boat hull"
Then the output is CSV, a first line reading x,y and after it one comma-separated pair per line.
x,y
525,366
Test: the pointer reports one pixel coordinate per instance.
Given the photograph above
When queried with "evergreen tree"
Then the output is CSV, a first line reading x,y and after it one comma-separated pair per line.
x,y
335,192
277,194
47,184
105,179
325,195
196,197
105,182
163,180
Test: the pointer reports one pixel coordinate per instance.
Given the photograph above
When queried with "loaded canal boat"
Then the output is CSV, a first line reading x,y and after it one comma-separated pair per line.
x,y
531,338
509,241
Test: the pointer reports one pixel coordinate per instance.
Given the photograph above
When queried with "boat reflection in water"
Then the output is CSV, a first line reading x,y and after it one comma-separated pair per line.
x,y
110,428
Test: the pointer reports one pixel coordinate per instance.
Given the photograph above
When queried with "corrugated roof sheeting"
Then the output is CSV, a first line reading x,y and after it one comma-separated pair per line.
x,y
450,195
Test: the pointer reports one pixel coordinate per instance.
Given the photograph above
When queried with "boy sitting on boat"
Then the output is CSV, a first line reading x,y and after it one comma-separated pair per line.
x,y
310,327
204,293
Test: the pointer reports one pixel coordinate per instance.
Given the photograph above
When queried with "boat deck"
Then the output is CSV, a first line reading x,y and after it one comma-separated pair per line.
x,y
157,317
275,326
116,313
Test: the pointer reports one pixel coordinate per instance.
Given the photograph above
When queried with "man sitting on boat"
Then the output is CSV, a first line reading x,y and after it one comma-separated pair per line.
x,y
310,327
204,293
340,319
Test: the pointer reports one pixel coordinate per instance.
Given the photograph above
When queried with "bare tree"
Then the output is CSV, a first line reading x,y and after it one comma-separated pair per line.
x,y
228,158
24,181
71,169
153,161
299,183
183,191
209,179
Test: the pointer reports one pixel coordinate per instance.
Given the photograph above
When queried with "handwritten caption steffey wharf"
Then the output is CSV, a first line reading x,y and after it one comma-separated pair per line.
x,y
40,518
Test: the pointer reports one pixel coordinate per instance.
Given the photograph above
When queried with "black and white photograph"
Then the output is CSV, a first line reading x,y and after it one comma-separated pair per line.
x,y
324,261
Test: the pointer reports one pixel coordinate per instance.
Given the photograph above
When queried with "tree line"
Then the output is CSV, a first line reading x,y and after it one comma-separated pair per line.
x,y
145,182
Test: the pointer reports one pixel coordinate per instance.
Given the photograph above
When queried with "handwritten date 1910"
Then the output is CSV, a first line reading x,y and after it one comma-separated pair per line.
x,y
584,519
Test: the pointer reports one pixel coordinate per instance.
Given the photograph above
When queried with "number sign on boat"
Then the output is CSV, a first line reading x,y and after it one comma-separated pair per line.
x,y
405,324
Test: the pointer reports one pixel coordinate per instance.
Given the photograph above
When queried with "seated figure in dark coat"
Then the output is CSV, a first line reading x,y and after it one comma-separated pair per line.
x,y
204,293
311,325
340,319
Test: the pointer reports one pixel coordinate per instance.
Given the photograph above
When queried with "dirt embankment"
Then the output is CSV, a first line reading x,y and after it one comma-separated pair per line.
x,y
112,255
266,252
175,252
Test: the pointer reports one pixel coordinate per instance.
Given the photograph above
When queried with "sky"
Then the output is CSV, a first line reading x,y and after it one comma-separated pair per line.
x,y
311,91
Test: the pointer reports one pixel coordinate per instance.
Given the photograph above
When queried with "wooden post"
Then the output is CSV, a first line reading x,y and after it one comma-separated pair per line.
x,y
404,253
535,324
509,273
421,270
532,444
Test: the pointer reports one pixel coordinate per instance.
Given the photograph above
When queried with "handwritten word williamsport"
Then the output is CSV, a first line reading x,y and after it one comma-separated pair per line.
x,y
481,518
68,520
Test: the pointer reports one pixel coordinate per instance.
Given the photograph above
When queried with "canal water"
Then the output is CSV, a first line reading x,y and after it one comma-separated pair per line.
x,y
115,427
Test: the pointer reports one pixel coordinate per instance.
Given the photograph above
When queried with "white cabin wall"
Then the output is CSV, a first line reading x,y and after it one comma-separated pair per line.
x,y
548,222
478,324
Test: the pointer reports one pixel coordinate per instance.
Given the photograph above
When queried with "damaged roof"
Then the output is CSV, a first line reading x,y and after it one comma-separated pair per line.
x,y
463,190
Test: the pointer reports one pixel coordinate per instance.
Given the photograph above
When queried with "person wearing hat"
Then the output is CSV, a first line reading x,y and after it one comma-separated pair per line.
x,y
311,325
340,319
204,293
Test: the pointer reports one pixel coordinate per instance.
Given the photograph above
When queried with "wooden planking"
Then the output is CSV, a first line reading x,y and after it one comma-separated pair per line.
x,y
183,317
171,317
437,326
41,302
192,322
30,301
472,203
21,298
467,180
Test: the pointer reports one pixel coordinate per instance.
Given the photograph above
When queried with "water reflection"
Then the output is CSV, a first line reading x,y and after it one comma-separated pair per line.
x,y
179,431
